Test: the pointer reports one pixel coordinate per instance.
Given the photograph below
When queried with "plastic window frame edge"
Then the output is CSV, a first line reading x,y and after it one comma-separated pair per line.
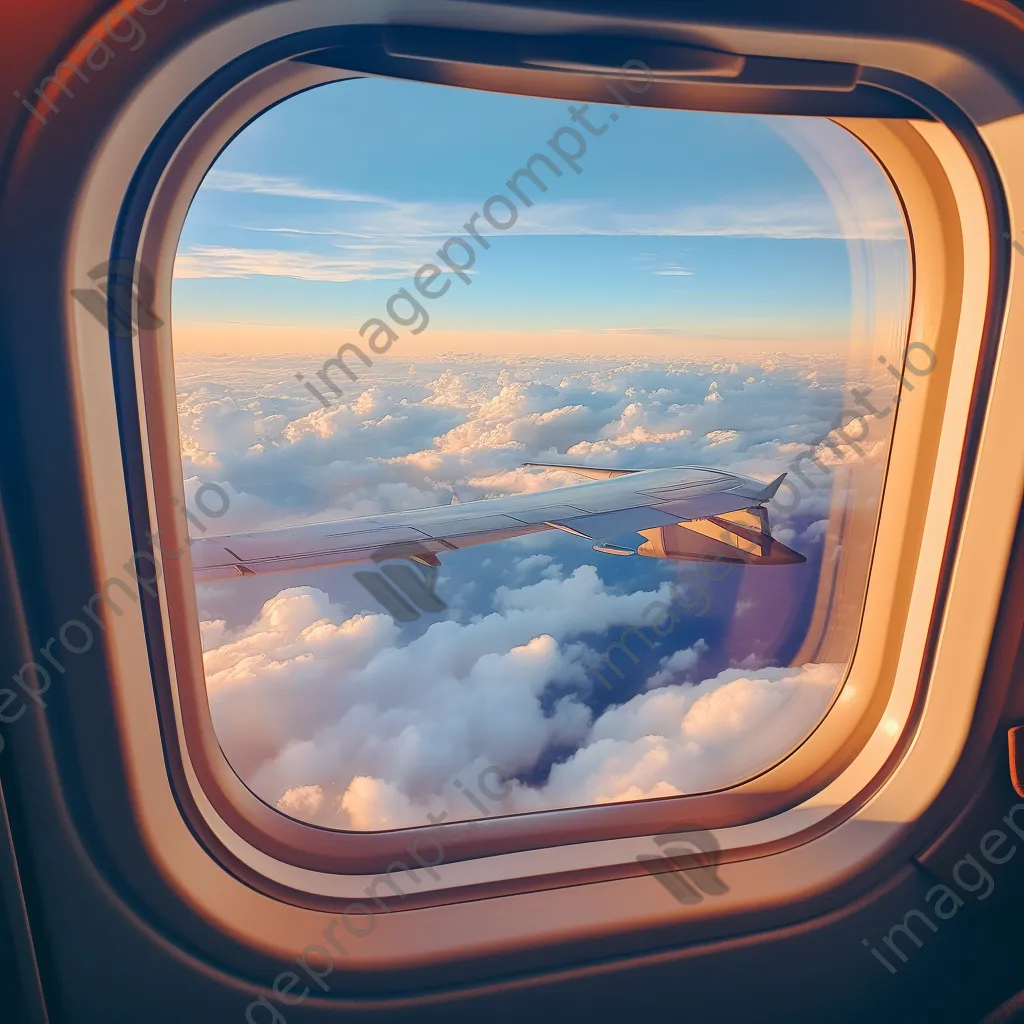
x,y
794,765
789,776
827,736
94,384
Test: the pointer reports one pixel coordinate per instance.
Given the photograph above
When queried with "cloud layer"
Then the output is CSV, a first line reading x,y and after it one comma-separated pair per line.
x,y
335,713
376,730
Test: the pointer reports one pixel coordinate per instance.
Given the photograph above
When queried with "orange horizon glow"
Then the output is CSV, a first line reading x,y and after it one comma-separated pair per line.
x,y
269,340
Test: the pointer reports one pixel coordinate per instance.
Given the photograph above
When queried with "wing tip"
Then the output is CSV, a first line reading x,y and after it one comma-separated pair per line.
x,y
772,489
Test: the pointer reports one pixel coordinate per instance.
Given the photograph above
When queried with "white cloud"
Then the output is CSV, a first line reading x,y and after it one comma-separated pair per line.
x,y
302,802
384,238
867,213
670,668
269,185
305,696
302,714
291,701
218,261
875,218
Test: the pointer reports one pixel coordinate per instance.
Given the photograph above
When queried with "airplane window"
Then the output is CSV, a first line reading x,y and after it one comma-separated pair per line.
x,y
532,449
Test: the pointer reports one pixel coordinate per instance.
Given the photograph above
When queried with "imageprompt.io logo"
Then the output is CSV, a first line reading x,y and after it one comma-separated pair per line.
x,y
405,591
687,878
123,292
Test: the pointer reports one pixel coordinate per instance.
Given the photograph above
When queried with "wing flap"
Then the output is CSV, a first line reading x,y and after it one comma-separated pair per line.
x,y
700,506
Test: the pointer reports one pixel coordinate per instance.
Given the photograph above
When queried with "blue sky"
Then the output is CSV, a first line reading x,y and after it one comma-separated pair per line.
x,y
704,226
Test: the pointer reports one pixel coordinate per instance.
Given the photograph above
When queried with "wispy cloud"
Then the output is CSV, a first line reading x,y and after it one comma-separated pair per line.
x,y
804,218
367,237
872,216
796,219
409,232
269,185
216,261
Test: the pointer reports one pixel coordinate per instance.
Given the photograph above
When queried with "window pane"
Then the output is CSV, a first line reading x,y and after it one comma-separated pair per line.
x,y
401,615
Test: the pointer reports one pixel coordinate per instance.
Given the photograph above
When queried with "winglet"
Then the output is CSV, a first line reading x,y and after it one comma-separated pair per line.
x,y
769,492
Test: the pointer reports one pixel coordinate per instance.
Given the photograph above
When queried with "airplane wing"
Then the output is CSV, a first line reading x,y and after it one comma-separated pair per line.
x,y
649,506
351,542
